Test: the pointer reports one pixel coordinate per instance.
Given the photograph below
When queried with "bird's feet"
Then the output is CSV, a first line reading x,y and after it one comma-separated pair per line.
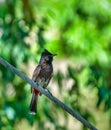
x,y
48,91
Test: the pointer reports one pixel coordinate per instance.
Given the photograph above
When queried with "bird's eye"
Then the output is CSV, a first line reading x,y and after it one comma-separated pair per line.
x,y
47,58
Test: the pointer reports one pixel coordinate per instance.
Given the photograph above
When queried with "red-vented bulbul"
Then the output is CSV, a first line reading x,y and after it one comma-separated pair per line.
x,y
42,75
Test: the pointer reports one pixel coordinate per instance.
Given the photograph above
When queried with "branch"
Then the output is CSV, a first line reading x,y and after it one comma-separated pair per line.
x,y
46,93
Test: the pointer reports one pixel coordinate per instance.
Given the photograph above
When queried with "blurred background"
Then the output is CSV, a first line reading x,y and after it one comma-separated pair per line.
x,y
79,31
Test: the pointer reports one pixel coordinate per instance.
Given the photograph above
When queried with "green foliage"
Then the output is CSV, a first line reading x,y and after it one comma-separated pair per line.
x,y
77,30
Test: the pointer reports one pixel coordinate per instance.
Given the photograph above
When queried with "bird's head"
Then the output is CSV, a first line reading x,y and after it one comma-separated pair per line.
x,y
47,56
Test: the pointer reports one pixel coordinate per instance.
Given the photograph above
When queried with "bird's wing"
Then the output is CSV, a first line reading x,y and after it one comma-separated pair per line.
x,y
48,80
36,74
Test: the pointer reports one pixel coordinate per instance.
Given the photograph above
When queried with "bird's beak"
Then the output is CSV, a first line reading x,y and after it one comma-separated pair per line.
x,y
54,54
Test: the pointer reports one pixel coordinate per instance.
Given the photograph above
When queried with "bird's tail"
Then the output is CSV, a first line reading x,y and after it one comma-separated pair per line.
x,y
33,104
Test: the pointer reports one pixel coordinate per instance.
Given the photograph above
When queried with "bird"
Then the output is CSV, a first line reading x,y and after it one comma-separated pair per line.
x,y
42,76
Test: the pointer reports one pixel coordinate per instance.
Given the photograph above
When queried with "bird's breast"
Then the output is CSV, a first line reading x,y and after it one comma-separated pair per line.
x,y
46,71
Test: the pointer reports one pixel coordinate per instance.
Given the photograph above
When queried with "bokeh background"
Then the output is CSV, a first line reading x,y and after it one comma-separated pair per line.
x,y
79,31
